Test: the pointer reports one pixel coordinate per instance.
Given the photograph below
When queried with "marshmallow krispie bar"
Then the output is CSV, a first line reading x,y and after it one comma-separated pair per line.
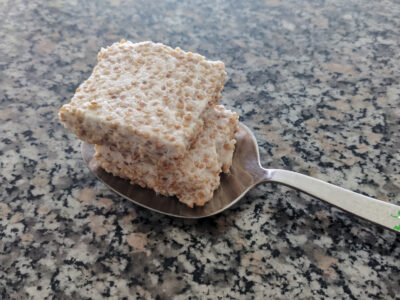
x,y
145,98
193,178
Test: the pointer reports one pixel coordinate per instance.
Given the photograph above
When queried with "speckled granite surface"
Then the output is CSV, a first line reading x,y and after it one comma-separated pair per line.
x,y
318,83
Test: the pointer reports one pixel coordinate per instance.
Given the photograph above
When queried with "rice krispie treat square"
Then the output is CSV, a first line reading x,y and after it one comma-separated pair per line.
x,y
145,98
193,178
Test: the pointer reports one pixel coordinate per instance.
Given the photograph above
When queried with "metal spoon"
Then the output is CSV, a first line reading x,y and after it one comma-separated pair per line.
x,y
247,172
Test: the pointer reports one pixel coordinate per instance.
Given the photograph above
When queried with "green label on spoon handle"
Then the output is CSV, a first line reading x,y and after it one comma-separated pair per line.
x,y
397,227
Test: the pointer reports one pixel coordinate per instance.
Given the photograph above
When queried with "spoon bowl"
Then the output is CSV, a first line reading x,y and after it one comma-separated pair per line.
x,y
246,172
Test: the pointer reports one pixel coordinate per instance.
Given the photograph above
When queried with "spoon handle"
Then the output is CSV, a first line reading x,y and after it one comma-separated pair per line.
x,y
379,212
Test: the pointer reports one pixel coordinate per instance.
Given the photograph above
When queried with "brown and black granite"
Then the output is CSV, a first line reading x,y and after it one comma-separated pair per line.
x,y
317,81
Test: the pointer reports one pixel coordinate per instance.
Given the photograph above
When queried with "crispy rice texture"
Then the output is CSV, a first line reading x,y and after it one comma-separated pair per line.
x,y
151,111
145,97
192,178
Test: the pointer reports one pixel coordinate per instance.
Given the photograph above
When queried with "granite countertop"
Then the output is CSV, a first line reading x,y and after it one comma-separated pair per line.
x,y
317,82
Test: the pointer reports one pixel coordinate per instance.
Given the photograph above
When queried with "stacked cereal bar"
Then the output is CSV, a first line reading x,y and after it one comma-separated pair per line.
x,y
151,111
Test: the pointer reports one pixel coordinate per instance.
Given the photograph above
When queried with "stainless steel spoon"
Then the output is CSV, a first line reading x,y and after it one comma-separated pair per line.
x,y
247,172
